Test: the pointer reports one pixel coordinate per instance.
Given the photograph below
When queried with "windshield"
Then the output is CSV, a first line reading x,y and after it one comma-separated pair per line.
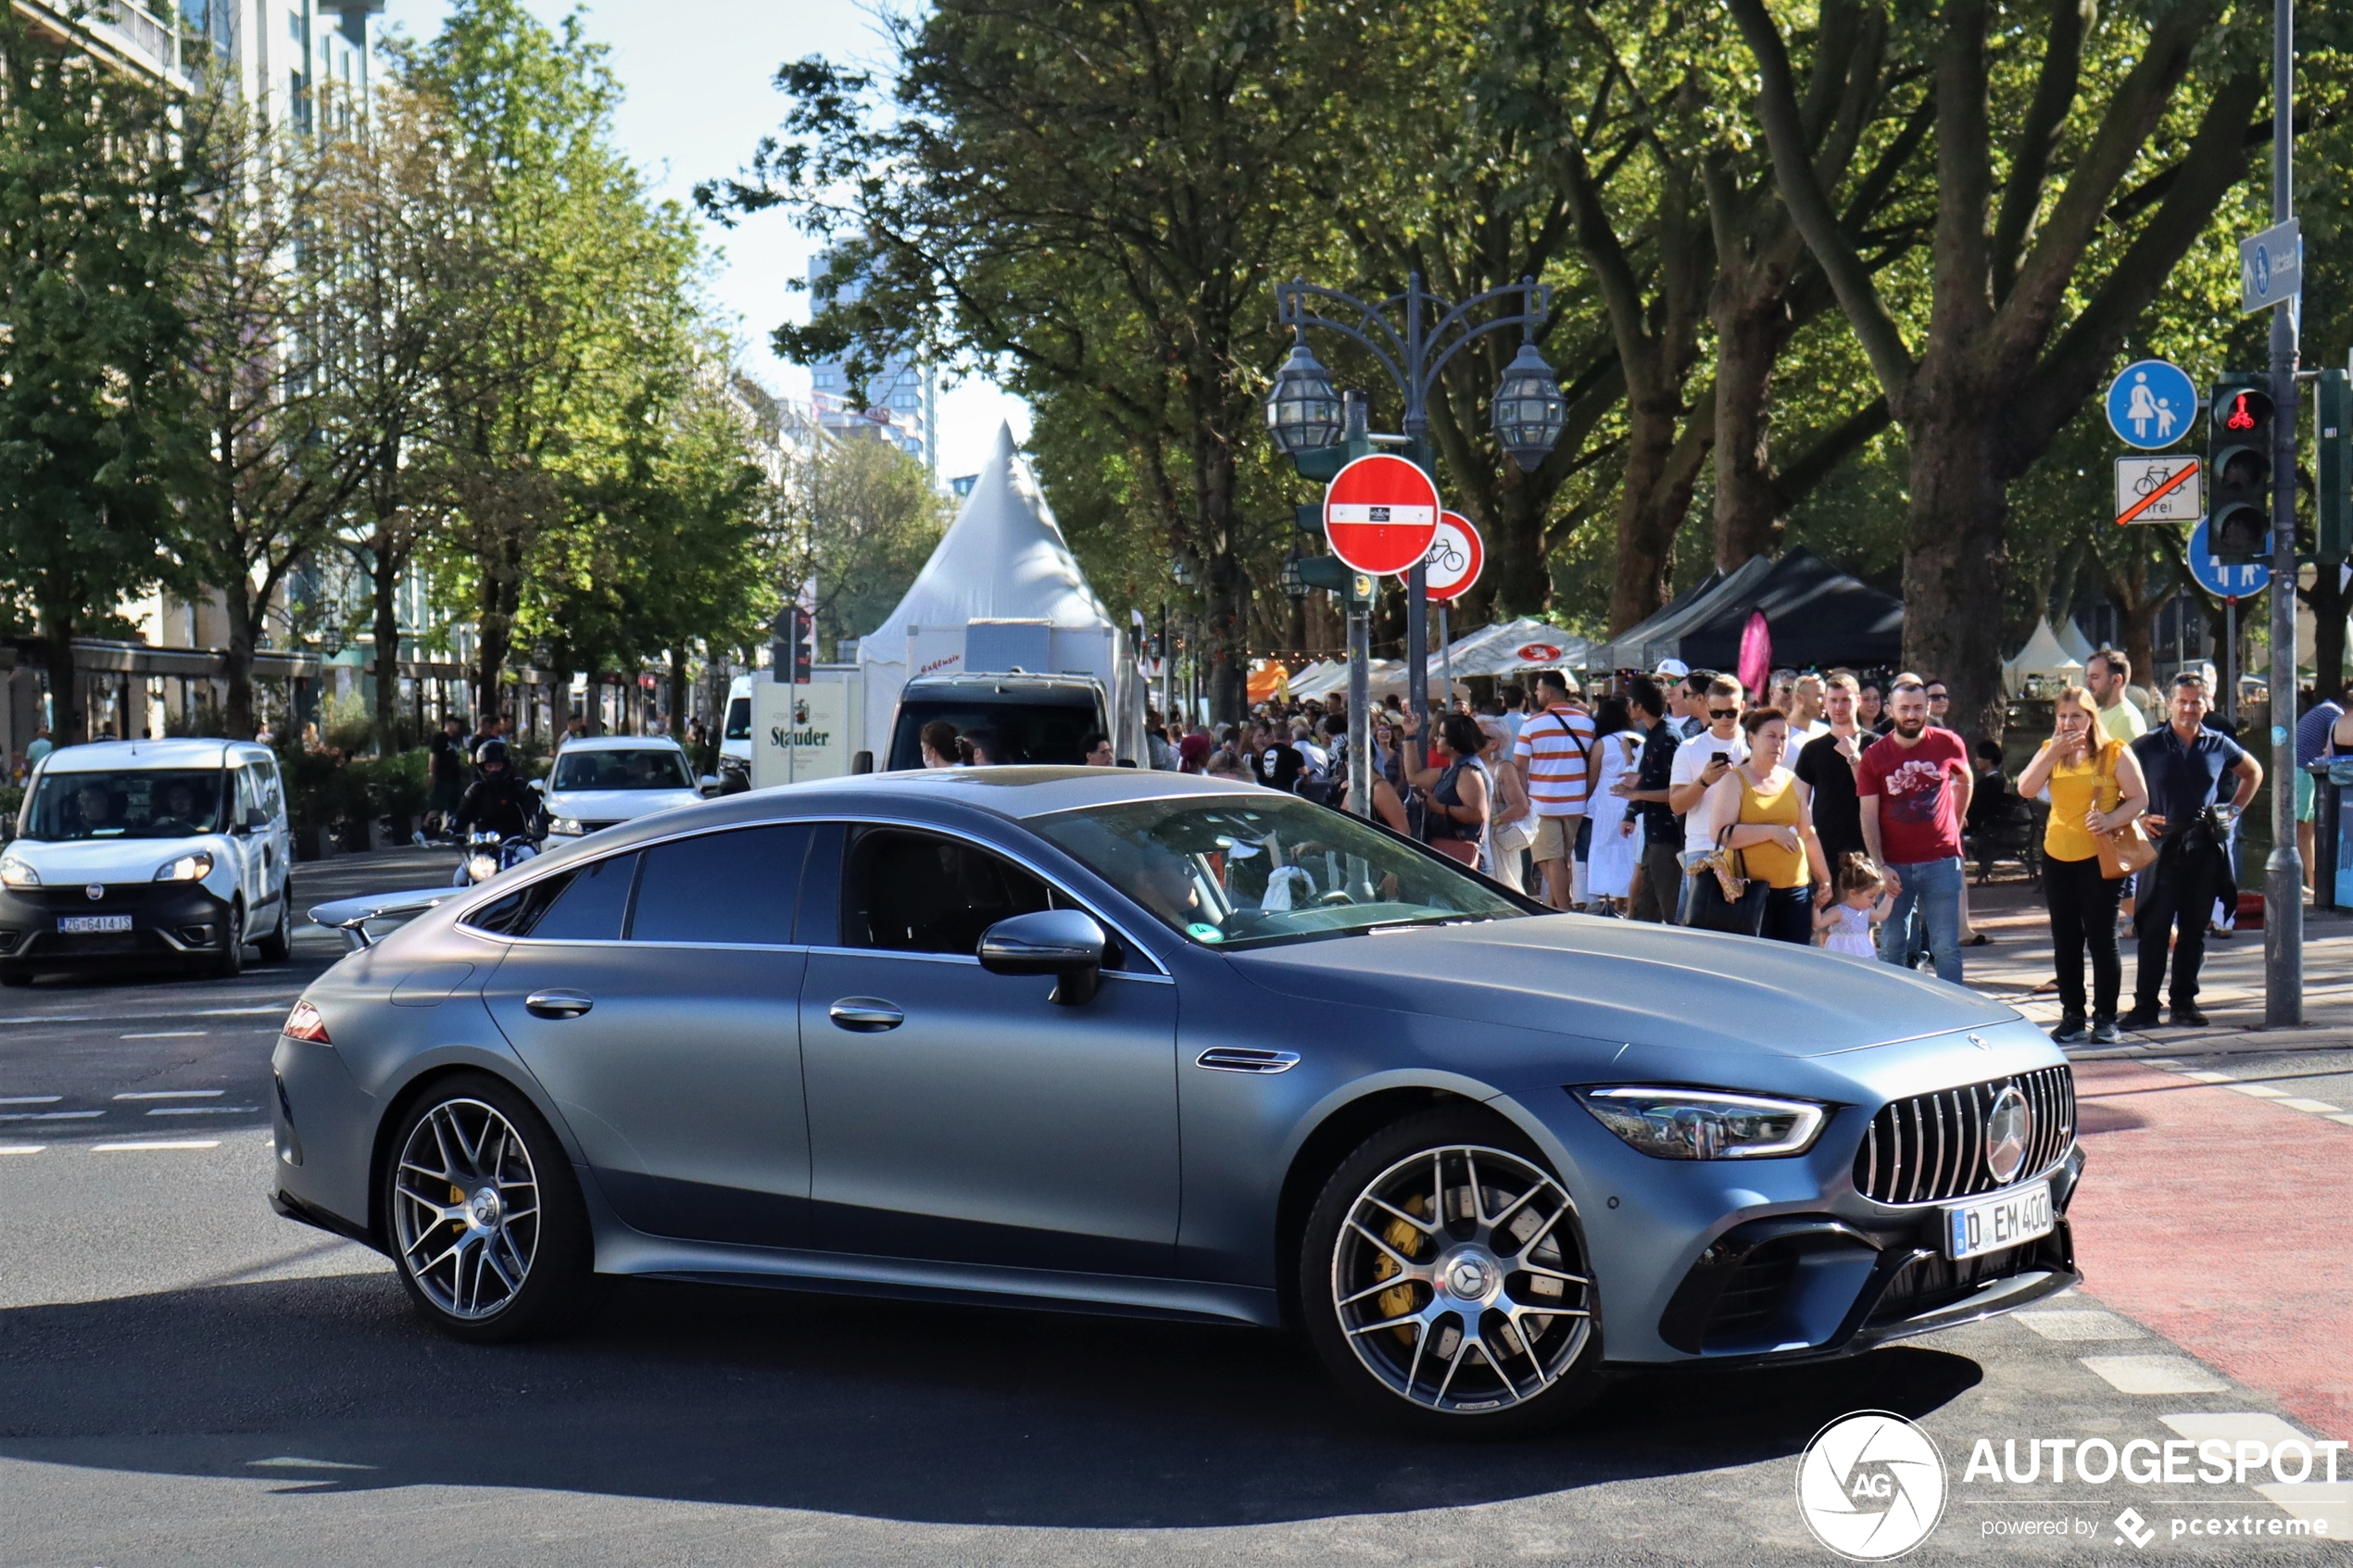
x,y
1234,873
1039,731
740,718
156,803
654,768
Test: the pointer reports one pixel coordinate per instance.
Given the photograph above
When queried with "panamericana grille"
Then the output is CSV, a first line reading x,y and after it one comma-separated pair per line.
x,y
1931,1148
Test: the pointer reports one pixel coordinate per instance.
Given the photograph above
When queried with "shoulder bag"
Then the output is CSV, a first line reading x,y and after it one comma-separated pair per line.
x,y
2128,848
1726,898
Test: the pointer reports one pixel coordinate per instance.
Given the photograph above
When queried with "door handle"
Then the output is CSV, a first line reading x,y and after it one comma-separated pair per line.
x,y
866,1015
557,1004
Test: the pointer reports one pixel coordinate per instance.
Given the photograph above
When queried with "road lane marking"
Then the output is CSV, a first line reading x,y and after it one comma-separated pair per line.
x,y
2260,1091
169,1035
2200,1074
153,1143
22,1147
287,1461
2317,1107
2259,1426
203,1109
233,1012
171,1094
2079,1326
2155,1374
29,1100
50,1116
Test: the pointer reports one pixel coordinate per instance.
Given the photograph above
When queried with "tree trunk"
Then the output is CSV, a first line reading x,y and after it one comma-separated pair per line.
x,y
2329,599
383,592
678,694
66,726
236,659
1752,325
1958,565
1517,580
493,636
1655,495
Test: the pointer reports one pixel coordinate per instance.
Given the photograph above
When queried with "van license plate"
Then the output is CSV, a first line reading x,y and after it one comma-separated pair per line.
x,y
82,925
1991,1224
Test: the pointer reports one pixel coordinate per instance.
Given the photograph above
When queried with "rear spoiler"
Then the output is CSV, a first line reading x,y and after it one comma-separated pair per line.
x,y
351,916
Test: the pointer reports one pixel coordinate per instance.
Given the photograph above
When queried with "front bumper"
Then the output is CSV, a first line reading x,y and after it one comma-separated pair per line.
x,y
168,919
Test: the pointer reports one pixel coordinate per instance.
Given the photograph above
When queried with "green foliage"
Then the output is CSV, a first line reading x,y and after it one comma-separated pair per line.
x,y
862,517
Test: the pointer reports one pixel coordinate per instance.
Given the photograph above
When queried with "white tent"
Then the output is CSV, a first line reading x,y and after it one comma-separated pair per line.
x,y
1517,646
1003,558
2044,655
1320,679
2072,638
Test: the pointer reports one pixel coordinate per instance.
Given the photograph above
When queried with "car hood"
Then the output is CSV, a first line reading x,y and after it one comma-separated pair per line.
x,y
1626,981
65,863
616,805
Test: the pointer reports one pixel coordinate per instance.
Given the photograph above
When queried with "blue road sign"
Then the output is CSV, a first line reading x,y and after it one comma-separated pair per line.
x,y
2245,579
2151,403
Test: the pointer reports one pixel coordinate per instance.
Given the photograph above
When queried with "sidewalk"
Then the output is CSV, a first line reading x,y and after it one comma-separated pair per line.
x,y
2213,1204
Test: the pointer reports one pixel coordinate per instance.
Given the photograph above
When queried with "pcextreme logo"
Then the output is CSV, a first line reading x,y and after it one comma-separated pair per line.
x,y
1870,1486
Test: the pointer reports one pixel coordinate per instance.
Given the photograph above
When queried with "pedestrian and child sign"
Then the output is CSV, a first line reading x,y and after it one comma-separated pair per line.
x,y
2151,403
1380,514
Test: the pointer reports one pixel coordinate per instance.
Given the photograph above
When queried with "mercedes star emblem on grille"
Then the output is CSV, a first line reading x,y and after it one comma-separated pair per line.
x,y
2009,1127
93,890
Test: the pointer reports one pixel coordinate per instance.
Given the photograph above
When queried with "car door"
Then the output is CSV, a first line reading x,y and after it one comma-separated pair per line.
x,y
656,998
277,846
251,846
959,1115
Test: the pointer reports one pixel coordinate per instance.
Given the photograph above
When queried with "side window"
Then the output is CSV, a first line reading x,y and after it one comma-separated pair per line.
x,y
737,886
591,906
247,797
265,775
914,893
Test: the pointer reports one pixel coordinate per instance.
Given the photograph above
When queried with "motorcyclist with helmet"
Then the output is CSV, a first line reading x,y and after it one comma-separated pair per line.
x,y
501,801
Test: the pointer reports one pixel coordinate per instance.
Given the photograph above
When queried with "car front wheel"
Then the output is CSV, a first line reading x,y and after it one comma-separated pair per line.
x,y
277,943
485,1219
1444,1281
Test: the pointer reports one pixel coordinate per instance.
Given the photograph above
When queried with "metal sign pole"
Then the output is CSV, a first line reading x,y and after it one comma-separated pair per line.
x,y
1360,706
2283,892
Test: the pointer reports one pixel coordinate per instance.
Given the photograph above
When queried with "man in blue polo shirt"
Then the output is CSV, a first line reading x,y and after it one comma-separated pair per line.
x,y
2186,764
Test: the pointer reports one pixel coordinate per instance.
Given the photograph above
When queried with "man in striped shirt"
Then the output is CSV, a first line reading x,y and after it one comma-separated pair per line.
x,y
1551,754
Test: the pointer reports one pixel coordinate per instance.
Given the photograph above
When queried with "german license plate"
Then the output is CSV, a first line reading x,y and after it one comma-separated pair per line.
x,y
1988,1224
85,926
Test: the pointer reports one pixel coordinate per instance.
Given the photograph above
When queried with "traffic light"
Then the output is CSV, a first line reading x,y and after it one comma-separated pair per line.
x,y
2238,463
2333,498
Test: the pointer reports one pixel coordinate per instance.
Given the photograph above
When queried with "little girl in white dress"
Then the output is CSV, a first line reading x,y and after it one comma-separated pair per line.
x,y
1863,902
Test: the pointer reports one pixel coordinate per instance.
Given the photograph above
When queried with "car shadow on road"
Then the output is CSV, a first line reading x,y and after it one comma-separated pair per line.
x,y
886,1409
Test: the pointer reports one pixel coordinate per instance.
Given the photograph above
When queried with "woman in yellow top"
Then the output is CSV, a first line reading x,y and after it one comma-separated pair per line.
x,y
1771,827
2095,787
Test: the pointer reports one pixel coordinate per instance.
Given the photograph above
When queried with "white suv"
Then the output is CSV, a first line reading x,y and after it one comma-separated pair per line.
x,y
128,849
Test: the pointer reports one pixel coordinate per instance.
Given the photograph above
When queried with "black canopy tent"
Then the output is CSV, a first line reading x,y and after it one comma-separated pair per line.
x,y
1818,616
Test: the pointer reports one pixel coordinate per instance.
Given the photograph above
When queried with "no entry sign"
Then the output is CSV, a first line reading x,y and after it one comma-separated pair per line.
x,y
1454,559
1380,514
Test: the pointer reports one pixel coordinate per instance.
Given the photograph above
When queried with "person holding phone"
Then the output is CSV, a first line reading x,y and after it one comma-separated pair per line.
x,y
1700,764
2095,788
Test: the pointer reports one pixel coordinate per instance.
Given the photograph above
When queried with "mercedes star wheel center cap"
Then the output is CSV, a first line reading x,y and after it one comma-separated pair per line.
x,y
2009,1127
1468,1278
484,1207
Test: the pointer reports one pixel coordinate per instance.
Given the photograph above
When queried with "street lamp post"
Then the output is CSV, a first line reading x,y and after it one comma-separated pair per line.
x,y
1412,335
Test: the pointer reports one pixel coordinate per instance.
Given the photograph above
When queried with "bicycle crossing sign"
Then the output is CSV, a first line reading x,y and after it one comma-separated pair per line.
x,y
2160,490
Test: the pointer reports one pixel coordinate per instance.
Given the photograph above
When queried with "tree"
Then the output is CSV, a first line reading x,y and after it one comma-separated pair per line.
x,y
1093,199
863,517
2042,259
100,224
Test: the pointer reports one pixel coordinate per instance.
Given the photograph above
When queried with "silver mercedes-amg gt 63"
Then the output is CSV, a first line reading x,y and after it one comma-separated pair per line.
x,y
1110,1040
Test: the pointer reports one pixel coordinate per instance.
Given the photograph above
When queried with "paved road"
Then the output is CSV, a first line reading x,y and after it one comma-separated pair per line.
x,y
186,1379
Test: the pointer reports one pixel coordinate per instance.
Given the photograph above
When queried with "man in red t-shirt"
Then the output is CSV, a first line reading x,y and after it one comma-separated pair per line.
x,y
1913,785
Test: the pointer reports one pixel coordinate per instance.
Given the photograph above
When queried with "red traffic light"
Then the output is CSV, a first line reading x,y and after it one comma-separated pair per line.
x,y
2240,408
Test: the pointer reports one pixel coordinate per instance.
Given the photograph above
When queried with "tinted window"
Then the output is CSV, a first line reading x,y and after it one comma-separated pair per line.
x,y
909,892
591,906
163,803
639,768
735,887
1039,731
740,718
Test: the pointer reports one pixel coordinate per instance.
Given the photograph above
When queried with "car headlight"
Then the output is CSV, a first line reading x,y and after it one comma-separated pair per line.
x,y
481,868
187,867
1705,1123
569,826
15,873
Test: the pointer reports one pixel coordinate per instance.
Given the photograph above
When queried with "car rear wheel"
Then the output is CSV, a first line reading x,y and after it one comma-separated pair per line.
x,y
1443,1281
277,943
485,1219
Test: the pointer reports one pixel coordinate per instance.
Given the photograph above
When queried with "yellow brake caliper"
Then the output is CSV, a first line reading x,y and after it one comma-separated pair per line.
x,y
1398,1301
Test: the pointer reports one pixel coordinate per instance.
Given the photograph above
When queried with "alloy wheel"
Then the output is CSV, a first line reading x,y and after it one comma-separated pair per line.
x,y
466,1209
1458,1282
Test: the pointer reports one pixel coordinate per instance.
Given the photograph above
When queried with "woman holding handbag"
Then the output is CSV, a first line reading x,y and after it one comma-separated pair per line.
x,y
1763,816
2091,847
1455,808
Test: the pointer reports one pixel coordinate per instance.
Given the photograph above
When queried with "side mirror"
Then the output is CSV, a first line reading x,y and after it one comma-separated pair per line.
x,y
539,786
1066,943
257,819
708,784
862,763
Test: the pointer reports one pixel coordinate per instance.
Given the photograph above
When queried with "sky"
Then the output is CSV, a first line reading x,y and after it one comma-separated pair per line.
x,y
697,74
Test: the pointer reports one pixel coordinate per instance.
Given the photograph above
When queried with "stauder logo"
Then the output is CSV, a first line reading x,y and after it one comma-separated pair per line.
x,y
1870,1486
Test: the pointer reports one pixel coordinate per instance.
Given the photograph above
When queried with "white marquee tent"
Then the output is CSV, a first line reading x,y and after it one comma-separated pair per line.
x,y
1003,558
2044,655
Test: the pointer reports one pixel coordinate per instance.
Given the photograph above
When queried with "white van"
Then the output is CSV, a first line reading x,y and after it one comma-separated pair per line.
x,y
132,849
735,731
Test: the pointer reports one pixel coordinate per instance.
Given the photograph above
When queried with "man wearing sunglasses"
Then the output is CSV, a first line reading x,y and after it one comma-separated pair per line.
x,y
1699,762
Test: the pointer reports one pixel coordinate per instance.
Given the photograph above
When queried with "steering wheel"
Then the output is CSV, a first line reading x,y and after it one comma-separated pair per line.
x,y
1335,897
